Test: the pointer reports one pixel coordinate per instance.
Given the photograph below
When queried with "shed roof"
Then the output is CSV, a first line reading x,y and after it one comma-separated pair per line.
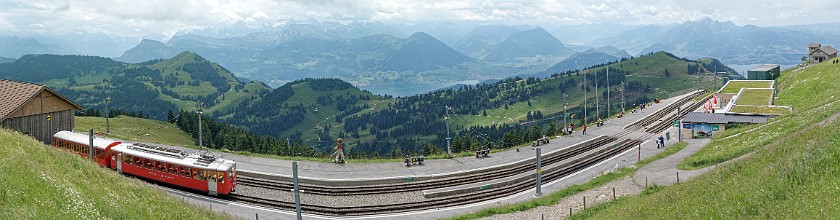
x,y
712,118
814,45
829,50
765,67
14,95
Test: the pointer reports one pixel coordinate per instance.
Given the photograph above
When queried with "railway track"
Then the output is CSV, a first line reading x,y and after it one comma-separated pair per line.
x,y
523,166
463,199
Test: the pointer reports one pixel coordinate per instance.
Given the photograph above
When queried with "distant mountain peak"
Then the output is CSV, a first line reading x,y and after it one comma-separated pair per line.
x,y
528,43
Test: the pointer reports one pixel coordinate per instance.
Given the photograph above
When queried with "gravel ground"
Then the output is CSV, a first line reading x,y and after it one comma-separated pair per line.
x,y
338,201
623,187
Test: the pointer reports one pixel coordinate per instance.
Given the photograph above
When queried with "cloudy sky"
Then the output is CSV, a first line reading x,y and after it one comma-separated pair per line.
x,y
159,19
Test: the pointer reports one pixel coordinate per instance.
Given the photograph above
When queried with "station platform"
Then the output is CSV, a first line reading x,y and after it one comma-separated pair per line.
x,y
361,172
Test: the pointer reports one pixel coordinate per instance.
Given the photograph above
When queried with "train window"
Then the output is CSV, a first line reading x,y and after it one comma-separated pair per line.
x,y
230,173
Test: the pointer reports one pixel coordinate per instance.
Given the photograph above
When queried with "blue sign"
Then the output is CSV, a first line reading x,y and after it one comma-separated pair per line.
x,y
687,126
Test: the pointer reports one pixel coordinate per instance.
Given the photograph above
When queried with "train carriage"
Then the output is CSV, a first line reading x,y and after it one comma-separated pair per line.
x,y
200,172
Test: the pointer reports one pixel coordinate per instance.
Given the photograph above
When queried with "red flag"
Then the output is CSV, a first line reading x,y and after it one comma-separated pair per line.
x,y
715,98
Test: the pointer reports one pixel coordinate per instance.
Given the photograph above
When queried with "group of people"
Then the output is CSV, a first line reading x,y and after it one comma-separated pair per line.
x,y
661,142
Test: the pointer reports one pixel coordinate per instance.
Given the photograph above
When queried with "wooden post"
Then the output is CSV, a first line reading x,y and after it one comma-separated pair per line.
x,y
570,211
584,202
640,153
678,177
257,215
613,193
645,182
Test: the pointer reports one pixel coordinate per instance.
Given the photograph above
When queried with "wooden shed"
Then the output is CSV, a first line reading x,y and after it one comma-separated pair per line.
x,y
35,110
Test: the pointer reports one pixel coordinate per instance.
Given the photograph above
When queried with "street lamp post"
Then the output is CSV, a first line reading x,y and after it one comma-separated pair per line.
x,y
448,145
585,106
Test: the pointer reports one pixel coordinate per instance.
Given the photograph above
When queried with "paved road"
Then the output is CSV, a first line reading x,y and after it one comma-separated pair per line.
x,y
664,171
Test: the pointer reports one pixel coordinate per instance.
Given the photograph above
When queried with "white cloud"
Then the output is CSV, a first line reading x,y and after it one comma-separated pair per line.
x,y
160,19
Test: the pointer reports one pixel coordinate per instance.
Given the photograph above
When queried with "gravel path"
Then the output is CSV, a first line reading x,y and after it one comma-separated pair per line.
x,y
623,187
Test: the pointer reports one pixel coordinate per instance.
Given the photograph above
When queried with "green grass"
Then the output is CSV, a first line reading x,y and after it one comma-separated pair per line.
x,y
558,196
735,86
41,182
792,177
137,129
755,97
760,109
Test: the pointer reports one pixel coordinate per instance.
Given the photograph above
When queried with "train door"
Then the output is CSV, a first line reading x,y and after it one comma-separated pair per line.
x,y
212,187
119,162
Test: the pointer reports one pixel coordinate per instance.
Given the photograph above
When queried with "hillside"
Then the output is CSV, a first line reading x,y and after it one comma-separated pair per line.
x,y
789,175
582,60
528,44
163,85
53,184
373,125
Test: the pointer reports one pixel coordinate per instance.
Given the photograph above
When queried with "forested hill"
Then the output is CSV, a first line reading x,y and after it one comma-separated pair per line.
x,y
149,89
506,113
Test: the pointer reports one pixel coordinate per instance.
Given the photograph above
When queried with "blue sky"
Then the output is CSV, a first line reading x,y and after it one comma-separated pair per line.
x,y
163,18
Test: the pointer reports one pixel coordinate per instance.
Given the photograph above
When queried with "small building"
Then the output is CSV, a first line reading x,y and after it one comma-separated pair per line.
x,y
35,110
817,53
699,124
764,72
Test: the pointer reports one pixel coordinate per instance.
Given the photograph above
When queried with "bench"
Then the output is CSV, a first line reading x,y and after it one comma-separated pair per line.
x,y
541,141
411,160
482,152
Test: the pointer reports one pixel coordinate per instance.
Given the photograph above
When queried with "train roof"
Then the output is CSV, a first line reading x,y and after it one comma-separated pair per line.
x,y
98,142
174,156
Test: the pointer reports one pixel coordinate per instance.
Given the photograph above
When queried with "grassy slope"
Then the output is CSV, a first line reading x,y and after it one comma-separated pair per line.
x,y
52,184
755,97
137,129
791,175
735,86
760,109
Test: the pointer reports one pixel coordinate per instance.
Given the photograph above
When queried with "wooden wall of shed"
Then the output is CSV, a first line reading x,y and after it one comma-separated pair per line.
x,y
39,127
42,103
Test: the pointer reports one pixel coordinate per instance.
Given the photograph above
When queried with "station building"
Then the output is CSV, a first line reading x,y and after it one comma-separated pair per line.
x,y
699,124
35,110
764,72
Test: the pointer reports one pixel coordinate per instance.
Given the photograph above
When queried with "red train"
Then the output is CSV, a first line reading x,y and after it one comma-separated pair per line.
x,y
204,173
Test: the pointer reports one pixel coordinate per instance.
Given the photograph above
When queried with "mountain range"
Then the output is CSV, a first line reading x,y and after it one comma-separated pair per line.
x,y
436,54
163,85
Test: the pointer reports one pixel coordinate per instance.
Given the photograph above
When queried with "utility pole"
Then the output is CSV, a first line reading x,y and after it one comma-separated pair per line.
x,y
107,124
198,108
585,106
565,115
448,144
609,106
289,145
622,96
715,75
597,96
